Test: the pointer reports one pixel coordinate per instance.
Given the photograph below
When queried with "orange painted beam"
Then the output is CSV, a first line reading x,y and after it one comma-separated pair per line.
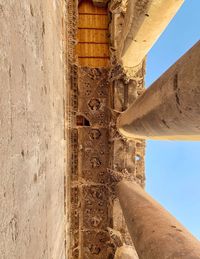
x,y
90,21
86,6
93,38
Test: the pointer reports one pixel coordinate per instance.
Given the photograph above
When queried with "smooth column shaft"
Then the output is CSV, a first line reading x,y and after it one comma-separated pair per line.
x,y
170,107
144,23
155,233
126,252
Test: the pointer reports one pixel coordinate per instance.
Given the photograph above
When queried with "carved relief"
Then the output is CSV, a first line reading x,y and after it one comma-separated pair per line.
x,y
94,134
94,149
90,201
94,104
97,148
95,162
96,245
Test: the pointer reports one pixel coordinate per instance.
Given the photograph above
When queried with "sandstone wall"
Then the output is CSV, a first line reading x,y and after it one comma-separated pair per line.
x,y
31,130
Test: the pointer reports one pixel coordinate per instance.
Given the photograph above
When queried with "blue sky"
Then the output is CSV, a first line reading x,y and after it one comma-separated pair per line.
x,y
173,167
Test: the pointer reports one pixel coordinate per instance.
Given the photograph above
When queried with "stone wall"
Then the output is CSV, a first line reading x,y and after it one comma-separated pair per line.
x,y
96,149
32,146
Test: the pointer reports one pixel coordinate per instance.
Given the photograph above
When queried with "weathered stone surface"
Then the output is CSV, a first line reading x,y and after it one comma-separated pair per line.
x,y
128,155
169,109
156,234
126,252
91,206
135,27
143,24
94,150
94,142
31,130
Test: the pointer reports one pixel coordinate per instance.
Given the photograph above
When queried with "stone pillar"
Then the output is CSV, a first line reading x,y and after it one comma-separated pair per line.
x,y
126,252
144,22
170,108
155,233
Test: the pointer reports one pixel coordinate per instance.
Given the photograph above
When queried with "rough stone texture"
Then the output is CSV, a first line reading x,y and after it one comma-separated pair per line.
x,y
126,252
31,130
96,146
156,233
118,10
139,23
144,22
91,205
169,109
128,155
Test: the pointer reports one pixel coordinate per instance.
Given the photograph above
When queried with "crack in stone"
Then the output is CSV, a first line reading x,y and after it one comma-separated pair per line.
x,y
165,123
176,92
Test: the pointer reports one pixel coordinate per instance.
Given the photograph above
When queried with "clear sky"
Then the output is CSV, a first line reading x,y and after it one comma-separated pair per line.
x,y
173,167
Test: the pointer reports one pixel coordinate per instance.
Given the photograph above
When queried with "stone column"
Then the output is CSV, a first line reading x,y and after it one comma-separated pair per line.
x,y
155,233
170,108
144,22
126,252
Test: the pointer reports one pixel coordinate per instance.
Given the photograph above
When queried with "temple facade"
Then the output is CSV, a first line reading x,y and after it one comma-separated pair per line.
x,y
74,119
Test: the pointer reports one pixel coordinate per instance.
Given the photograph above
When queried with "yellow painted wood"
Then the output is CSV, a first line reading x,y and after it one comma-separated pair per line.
x,y
93,38
93,21
94,62
93,50
87,6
